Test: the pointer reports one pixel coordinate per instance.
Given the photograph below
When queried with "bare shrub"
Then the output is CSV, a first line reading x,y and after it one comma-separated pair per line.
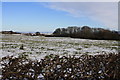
x,y
54,67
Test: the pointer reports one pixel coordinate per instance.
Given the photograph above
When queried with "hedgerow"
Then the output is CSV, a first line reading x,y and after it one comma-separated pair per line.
x,y
55,67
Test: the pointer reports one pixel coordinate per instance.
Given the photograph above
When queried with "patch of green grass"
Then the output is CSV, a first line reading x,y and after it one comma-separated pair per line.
x,y
65,53
27,53
51,49
116,48
86,53
42,48
79,49
86,46
38,52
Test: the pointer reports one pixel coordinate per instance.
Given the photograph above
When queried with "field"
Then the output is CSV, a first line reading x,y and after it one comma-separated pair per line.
x,y
48,58
37,47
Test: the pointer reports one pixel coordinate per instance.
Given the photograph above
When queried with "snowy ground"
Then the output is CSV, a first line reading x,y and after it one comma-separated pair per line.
x,y
36,47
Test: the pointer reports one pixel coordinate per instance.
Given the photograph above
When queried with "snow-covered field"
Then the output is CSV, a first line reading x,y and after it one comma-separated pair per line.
x,y
36,47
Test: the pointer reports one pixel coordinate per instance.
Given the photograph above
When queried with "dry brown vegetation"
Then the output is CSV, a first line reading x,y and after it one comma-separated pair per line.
x,y
54,67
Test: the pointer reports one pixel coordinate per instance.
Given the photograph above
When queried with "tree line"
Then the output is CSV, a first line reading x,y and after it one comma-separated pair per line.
x,y
87,33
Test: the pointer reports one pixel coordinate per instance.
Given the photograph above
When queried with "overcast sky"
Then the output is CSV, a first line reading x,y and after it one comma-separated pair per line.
x,y
47,16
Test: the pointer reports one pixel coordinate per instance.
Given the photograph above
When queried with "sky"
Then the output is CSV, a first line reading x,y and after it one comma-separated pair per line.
x,y
60,0
47,16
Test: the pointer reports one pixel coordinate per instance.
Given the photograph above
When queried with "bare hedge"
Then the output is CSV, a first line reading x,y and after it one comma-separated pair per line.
x,y
54,67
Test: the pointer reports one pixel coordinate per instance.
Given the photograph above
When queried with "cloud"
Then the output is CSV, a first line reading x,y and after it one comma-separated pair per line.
x,y
105,13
